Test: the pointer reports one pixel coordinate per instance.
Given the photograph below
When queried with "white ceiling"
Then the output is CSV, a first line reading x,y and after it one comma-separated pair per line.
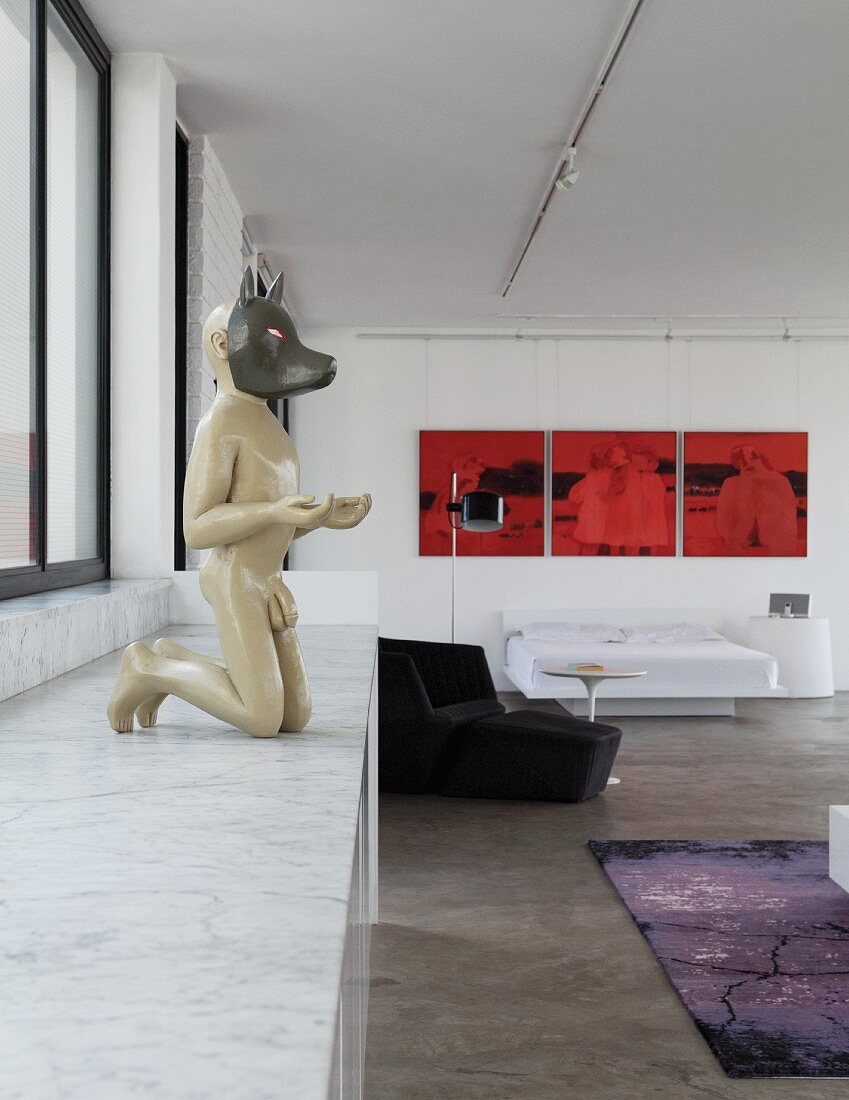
x,y
391,156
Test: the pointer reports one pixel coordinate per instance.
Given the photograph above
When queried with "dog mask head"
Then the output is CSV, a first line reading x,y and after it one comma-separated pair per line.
x,y
266,357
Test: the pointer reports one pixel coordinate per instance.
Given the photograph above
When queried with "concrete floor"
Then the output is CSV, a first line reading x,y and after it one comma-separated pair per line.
x,y
506,967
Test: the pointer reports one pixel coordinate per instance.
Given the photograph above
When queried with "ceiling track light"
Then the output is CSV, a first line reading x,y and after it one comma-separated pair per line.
x,y
568,172
565,176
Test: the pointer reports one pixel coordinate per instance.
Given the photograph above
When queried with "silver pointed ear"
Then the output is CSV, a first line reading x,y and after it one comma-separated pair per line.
x,y
275,291
247,290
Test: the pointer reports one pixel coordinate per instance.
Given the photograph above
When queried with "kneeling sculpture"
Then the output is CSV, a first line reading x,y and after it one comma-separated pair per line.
x,y
242,503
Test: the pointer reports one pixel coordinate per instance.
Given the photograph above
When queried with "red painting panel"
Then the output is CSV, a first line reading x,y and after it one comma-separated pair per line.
x,y
613,493
509,463
746,494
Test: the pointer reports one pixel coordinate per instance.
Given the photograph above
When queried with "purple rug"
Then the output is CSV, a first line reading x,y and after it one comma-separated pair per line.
x,y
754,937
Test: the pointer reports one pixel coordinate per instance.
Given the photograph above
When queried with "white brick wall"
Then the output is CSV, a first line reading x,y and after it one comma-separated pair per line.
x,y
215,269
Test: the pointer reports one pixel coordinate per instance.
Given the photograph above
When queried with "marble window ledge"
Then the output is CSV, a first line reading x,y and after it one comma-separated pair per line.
x,y
47,634
177,901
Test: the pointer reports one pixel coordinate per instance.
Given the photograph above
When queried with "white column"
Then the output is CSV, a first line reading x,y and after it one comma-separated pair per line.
x,y
143,176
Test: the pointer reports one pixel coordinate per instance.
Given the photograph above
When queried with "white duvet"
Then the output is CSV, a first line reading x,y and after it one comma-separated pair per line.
x,y
687,669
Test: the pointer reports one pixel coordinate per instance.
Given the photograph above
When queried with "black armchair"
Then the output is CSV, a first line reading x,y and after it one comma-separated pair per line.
x,y
427,692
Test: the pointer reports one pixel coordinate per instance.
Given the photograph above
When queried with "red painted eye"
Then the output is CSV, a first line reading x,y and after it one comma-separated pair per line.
x,y
276,332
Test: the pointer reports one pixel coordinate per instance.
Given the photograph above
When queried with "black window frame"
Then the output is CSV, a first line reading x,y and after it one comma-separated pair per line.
x,y
40,577
181,321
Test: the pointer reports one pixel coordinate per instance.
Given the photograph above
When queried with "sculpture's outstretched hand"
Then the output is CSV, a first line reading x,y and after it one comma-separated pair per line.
x,y
347,512
300,511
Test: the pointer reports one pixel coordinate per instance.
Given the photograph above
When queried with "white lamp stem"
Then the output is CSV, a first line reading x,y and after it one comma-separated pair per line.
x,y
453,553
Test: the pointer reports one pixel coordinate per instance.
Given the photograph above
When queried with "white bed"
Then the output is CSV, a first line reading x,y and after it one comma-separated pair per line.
x,y
699,677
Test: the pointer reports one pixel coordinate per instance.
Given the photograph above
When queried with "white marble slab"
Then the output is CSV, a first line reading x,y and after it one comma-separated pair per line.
x,y
174,901
838,845
44,635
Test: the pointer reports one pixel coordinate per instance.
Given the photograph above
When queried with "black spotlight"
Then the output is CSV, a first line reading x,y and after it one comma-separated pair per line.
x,y
481,511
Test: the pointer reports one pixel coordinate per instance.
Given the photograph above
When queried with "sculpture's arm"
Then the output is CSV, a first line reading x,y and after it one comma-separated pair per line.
x,y
210,520
347,512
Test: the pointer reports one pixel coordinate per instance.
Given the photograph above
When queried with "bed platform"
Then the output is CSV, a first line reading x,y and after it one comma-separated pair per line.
x,y
689,678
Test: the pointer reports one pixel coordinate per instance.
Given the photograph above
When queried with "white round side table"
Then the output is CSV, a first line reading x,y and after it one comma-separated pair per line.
x,y
802,648
591,678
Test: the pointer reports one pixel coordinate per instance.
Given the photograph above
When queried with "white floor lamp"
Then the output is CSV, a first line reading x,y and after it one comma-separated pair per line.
x,y
479,511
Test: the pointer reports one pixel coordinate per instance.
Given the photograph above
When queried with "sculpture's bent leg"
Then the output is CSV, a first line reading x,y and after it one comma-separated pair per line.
x,y
148,712
297,699
248,693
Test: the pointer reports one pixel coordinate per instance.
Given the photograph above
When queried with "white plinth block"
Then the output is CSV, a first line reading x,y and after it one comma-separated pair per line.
x,y
838,845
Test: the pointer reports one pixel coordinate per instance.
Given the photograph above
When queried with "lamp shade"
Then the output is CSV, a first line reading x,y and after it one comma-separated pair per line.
x,y
481,511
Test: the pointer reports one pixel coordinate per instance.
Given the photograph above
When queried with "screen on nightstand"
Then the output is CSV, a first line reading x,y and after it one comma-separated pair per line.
x,y
797,604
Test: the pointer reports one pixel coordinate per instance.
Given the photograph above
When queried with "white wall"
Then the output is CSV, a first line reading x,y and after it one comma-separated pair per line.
x,y
144,104
362,434
143,194
215,268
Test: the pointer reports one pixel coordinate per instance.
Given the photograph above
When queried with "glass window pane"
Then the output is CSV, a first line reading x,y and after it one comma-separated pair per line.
x,y
72,208
17,409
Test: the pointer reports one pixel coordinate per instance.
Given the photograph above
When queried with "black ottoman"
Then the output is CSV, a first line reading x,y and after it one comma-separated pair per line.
x,y
530,755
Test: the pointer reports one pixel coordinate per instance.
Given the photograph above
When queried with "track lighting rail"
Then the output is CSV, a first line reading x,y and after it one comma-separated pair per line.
x,y
570,148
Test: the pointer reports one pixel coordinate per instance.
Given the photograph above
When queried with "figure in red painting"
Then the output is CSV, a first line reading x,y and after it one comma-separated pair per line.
x,y
655,529
623,528
613,493
468,469
621,502
758,507
588,497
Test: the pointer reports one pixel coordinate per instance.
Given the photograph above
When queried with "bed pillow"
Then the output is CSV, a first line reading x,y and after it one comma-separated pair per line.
x,y
669,633
572,632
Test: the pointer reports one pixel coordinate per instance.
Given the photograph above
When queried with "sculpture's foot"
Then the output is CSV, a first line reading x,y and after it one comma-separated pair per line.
x,y
295,722
125,695
286,728
148,712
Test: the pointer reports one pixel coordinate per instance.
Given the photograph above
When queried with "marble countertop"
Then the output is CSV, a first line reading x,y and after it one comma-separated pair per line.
x,y
173,902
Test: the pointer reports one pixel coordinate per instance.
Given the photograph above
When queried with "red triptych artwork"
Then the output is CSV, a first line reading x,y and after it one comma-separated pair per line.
x,y
746,494
511,464
613,493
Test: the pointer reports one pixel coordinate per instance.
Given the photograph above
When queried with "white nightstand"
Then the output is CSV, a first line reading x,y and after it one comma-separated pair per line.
x,y
802,648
